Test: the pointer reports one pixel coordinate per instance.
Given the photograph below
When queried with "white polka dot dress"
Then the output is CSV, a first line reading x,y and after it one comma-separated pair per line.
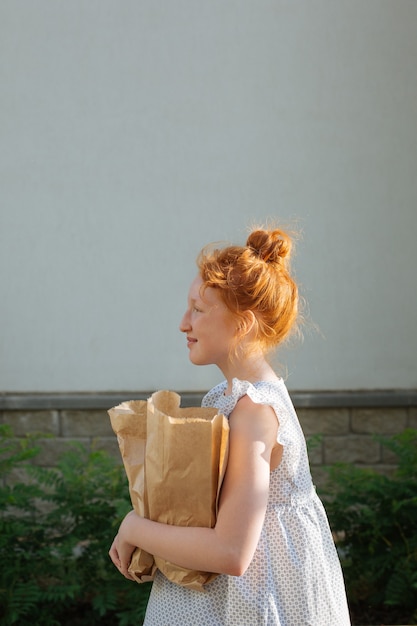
x,y
295,578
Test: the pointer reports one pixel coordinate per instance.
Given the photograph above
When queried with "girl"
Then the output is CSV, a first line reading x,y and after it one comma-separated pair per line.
x,y
271,544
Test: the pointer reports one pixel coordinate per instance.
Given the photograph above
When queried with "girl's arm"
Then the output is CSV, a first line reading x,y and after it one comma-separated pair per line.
x,y
227,548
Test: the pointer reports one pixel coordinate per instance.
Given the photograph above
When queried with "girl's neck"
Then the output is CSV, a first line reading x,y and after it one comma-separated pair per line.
x,y
253,369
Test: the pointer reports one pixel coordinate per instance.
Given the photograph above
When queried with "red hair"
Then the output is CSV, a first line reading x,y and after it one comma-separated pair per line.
x,y
256,278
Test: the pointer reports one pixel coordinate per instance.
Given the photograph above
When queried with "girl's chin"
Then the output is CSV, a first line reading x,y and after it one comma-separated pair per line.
x,y
196,361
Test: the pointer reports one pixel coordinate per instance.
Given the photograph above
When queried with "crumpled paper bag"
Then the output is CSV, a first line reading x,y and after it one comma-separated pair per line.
x,y
128,421
175,459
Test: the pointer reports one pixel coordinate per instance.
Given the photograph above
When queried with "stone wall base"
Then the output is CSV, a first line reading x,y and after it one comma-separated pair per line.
x,y
337,433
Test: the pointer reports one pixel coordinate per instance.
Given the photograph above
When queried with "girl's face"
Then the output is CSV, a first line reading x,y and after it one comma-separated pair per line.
x,y
211,328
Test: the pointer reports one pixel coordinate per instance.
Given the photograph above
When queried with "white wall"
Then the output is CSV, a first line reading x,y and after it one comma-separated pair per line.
x,y
134,132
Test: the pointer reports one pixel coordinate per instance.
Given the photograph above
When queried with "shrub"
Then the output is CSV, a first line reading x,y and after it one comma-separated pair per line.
x,y
375,519
56,527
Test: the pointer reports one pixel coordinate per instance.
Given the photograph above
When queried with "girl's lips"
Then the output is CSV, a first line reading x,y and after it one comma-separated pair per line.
x,y
191,340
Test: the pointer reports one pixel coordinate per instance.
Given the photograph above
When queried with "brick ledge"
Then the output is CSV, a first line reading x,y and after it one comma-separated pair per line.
x,y
301,399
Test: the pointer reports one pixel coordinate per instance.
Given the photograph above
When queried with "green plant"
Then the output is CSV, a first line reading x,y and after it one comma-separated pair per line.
x,y
375,519
56,527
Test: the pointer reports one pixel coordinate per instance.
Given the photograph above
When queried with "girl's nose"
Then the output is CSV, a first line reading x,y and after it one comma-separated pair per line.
x,y
185,323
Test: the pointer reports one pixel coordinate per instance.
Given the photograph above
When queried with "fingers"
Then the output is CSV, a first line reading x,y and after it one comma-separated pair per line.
x,y
124,569
121,563
114,553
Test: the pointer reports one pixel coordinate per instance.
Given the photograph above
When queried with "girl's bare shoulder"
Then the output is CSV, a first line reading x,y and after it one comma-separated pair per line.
x,y
253,417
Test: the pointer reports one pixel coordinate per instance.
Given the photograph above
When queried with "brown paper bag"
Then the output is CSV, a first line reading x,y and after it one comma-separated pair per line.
x,y
128,421
184,465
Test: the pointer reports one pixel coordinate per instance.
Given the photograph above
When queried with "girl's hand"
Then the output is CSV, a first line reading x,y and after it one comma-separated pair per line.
x,y
121,550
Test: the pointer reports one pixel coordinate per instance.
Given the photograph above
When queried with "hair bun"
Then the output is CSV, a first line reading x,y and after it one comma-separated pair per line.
x,y
270,246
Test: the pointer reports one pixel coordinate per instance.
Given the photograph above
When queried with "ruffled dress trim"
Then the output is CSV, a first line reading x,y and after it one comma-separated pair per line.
x,y
259,393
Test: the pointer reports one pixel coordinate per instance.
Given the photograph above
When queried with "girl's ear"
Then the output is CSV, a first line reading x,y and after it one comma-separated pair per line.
x,y
247,323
